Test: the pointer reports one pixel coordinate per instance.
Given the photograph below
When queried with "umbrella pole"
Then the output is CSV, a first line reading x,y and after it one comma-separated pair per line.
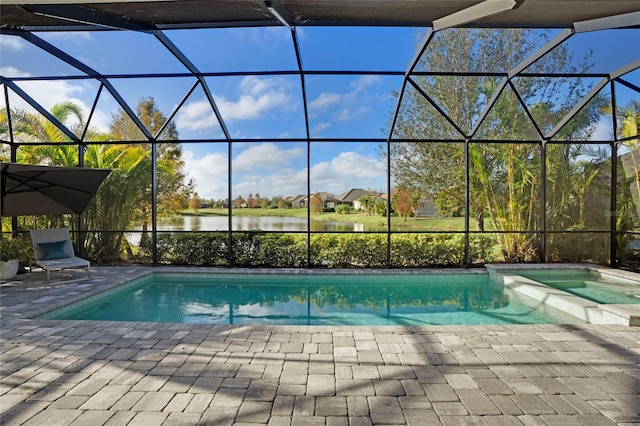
x,y
81,236
14,227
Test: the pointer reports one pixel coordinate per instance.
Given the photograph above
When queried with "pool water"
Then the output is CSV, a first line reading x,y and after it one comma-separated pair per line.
x,y
316,299
594,286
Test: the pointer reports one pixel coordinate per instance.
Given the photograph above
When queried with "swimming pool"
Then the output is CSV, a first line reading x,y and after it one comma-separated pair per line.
x,y
600,288
316,299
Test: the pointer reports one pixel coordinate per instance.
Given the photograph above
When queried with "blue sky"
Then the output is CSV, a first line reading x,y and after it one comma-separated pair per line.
x,y
253,106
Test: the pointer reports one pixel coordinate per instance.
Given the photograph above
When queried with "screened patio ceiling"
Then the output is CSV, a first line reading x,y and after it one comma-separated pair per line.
x,y
302,61
322,73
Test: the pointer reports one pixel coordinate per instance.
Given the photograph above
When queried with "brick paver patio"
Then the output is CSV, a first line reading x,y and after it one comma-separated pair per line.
x,y
126,373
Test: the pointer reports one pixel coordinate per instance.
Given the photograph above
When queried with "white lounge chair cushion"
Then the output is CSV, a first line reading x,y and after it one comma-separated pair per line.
x,y
68,262
53,250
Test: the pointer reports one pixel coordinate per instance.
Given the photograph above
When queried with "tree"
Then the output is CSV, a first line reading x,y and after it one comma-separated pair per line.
x,y
265,203
380,208
123,128
111,208
402,202
343,209
251,202
367,202
628,208
33,128
239,202
278,202
195,202
316,203
628,125
504,178
173,190
628,120
415,202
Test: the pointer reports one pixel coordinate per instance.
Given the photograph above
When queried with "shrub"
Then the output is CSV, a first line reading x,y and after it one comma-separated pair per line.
x,y
349,250
327,250
282,250
197,249
447,250
343,209
15,248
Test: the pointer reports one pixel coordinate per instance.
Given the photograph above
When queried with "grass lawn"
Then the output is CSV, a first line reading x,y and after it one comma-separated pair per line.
x,y
420,223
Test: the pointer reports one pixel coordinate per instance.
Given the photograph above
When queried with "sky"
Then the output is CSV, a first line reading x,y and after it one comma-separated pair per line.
x,y
267,107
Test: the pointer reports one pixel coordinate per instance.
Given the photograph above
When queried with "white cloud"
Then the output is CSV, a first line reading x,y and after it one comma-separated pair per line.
x,y
196,115
209,173
256,97
347,170
324,100
603,130
76,37
250,177
12,43
348,115
13,72
320,127
266,156
365,81
48,93
348,101
283,182
280,174
249,107
256,86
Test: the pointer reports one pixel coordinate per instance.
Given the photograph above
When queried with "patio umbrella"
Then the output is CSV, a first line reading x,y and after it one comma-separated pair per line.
x,y
37,190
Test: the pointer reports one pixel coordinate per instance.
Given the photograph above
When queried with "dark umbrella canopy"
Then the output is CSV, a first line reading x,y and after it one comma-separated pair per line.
x,y
38,190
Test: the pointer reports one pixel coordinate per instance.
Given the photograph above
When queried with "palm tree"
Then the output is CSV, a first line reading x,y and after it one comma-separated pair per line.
x,y
33,128
112,207
628,122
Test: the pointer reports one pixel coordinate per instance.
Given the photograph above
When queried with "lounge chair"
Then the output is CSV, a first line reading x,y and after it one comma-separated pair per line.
x,y
53,251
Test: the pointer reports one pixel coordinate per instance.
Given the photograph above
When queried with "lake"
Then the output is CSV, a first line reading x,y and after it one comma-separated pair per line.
x,y
256,223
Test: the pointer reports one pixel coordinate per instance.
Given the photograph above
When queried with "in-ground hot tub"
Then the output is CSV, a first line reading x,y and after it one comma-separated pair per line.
x,y
596,294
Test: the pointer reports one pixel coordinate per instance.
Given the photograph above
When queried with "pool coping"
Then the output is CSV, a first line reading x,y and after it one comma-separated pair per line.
x,y
587,310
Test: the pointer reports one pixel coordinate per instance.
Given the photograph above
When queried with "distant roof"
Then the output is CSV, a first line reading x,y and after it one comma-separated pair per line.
x,y
153,14
323,195
354,194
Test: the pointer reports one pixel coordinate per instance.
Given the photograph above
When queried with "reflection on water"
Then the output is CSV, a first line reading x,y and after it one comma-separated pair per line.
x,y
289,299
252,223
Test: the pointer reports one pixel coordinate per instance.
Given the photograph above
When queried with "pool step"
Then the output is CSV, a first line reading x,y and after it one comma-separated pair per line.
x,y
621,314
587,310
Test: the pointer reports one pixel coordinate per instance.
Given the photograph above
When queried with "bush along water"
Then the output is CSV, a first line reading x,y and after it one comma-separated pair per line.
x,y
327,250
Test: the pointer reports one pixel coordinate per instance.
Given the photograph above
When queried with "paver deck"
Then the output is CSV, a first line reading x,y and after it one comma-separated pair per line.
x,y
129,373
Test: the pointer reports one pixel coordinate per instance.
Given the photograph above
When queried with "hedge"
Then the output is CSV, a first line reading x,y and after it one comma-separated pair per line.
x,y
327,250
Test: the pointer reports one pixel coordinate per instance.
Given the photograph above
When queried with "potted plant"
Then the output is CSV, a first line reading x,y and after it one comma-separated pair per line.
x,y
12,252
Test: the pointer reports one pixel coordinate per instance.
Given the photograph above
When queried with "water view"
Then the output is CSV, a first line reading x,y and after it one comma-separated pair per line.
x,y
259,223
